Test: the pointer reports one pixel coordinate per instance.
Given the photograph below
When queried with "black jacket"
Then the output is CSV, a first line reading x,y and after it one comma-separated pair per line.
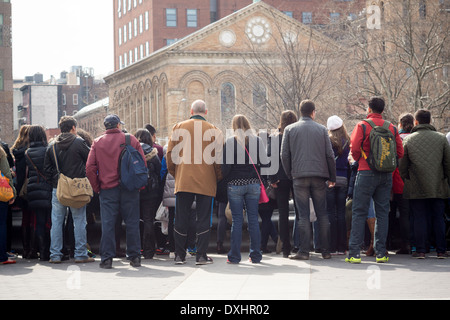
x,y
21,171
39,191
71,152
154,188
237,164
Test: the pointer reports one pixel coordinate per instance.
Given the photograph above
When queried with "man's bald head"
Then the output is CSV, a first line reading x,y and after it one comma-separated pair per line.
x,y
198,107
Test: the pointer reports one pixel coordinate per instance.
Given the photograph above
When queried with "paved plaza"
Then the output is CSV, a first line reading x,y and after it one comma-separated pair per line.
x,y
276,278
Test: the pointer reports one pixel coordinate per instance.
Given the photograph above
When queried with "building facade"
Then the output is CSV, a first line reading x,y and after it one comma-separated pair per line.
x,y
6,78
208,64
145,26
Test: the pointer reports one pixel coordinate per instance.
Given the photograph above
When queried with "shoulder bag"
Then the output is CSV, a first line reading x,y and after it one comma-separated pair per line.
x,y
263,198
76,192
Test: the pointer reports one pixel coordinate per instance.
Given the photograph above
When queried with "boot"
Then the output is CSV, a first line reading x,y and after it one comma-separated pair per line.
x,y
220,248
33,253
371,225
44,250
26,242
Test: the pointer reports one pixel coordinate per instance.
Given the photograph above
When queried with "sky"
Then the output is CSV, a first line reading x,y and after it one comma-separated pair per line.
x,y
51,36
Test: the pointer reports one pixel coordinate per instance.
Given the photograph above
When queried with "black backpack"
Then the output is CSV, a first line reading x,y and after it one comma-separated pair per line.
x,y
133,172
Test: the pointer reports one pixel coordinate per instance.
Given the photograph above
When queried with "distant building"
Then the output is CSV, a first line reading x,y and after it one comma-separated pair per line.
x,y
6,78
45,102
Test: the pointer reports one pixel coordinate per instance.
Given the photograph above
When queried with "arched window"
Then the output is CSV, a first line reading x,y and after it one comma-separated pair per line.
x,y
227,103
260,105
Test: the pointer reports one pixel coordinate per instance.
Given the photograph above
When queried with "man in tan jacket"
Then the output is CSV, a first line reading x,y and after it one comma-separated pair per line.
x,y
193,158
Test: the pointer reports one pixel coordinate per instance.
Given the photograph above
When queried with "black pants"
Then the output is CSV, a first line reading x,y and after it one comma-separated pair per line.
x,y
148,208
183,215
283,193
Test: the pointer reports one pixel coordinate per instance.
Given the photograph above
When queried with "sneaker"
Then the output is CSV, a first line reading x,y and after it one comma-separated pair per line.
x,y
353,260
135,262
382,259
12,255
179,260
299,256
231,262
162,252
192,251
442,255
54,261
106,264
204,260
418,255
253,261
89,259
326,255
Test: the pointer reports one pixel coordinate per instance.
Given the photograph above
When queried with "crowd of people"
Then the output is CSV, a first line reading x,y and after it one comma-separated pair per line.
x,y
345,200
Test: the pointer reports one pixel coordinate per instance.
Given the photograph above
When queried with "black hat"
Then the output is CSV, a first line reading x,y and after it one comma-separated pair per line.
x,y
111,121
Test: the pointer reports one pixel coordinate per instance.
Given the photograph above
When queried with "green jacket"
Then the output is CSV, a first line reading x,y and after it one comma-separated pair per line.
x,y
425,166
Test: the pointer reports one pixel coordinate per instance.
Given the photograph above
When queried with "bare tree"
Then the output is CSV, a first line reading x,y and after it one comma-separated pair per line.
x,y
300,65
406,60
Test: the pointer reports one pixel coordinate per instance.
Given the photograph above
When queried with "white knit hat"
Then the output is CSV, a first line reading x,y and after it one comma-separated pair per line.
x,y
334,122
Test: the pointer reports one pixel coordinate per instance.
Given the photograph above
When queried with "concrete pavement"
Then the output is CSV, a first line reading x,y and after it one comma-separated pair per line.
x,y
276,278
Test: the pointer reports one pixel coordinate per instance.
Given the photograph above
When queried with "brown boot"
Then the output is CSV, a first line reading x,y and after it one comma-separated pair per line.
x,y
371,224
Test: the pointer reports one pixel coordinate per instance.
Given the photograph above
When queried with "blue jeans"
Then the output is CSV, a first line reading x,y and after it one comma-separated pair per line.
x,y
59,213
314,188
238,196
117,202
336,198
377,186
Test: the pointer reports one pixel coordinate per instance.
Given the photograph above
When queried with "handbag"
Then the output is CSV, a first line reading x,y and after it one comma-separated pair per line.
x,y
76,192
162,214
6,192
23,191
271,192
263,198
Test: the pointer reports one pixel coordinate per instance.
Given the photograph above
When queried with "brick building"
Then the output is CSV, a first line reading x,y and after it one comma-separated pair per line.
x,y
145,26
6,79
208,64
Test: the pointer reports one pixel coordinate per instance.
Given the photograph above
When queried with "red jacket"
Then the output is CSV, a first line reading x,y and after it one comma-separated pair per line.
x,y
356,140
102,166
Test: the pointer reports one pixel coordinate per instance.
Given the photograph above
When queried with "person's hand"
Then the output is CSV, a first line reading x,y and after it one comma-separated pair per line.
x,y
275,184
331,184
11,201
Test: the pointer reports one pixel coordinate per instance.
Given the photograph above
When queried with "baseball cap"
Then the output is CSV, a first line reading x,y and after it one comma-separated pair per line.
x,y
111,121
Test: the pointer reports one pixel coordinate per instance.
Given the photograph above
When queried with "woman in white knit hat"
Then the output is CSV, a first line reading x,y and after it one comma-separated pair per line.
x,y
336,197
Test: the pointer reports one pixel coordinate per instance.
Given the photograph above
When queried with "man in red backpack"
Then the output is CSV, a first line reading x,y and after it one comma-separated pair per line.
x,y
370,184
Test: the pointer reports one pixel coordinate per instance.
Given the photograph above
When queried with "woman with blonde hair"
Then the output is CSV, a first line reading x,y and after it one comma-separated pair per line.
x,y
243,156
